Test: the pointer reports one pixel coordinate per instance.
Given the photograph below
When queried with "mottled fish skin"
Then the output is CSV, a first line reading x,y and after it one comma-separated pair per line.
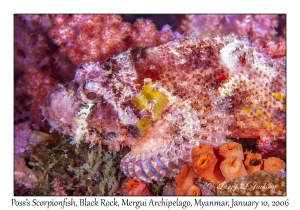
x,y
215,87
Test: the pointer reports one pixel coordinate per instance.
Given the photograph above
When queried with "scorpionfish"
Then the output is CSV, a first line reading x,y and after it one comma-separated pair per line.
x,y
163,100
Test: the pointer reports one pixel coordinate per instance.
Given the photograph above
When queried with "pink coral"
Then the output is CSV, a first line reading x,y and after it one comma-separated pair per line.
x,y
22,132
25,138
275,48
22,174
34,49
97,37
37,23
31,91
251,26
269,147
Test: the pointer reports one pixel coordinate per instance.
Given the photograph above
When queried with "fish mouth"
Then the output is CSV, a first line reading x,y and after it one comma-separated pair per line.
x,y
54,109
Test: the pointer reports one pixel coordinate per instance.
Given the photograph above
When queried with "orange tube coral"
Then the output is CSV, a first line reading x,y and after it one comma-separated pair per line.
x,y
273,165
193,191
184,185
232,167
205,148
133,187
204,167
231,149
182,174
187,187
253,163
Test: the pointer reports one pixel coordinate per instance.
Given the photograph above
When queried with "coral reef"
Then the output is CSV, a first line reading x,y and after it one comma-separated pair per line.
x,y
31,91
270,147
33,49
206,188
185,183
58,188
160,92
225,176
252,26
230,97
86,38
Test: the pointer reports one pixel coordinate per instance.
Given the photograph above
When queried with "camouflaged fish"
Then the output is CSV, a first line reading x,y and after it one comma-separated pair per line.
x,y
162,101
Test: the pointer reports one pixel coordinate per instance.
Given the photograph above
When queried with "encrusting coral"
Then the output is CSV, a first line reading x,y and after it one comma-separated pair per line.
x,y
270,147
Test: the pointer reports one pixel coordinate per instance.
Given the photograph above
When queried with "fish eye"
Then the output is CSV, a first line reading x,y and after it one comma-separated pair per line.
x,y
91,95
